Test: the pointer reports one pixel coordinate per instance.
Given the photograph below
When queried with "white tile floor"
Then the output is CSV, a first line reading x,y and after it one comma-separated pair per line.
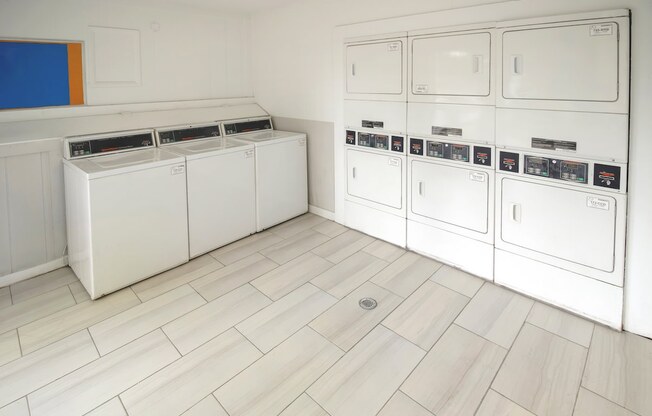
x,y
271,325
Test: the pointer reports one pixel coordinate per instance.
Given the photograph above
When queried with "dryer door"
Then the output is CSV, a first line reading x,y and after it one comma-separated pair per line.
x,y
453,195
374,177
572,225
375,68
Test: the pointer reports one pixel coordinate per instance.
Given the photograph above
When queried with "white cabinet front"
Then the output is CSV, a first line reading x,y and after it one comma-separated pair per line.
x,y
576,63
451,65
375,177
375,68
576,226
453,195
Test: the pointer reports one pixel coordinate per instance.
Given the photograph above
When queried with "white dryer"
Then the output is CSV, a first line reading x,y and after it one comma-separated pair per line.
x,y
126,209
281,169
221,184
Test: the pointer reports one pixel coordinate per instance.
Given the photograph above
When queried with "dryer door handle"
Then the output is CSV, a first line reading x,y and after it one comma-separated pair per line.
x,y
421,188
515,212
353,172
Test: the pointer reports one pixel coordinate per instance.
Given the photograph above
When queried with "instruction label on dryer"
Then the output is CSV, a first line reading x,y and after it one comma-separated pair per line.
x,y
178,170
598,203
604,29
394,47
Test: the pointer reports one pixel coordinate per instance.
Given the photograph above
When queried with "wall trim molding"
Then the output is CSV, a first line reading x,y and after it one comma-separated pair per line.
x,y
21,275
329,215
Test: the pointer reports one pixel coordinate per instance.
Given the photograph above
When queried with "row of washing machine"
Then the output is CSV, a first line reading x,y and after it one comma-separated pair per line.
x,y
498,148
142,202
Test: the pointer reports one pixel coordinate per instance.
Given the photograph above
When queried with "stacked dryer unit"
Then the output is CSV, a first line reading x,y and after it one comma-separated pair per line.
x,y
375,140
451,150
562,122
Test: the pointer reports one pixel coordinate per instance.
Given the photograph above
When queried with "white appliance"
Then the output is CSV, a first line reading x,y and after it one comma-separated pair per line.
x,y
374,199
562,133
221,184
281,169
451,114
126,209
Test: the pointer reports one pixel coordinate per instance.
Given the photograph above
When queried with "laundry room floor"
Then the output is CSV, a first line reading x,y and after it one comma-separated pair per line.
x,y
273,324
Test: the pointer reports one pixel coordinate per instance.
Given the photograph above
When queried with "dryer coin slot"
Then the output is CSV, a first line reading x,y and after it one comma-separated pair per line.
x,y
381,142
538,166
482,155
435,149
606,176
397,144
350,137
365,139
416,146
509,162
459,152
573,171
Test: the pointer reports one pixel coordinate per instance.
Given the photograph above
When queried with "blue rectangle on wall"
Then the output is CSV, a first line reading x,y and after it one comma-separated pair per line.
x,y
33,75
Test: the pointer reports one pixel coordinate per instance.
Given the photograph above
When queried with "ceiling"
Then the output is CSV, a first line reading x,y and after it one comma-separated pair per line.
x,y
239,6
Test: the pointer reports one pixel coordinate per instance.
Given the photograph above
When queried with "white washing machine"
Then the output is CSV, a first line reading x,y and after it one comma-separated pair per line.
x,y
221,184
451,149
562,131
126,209
281,169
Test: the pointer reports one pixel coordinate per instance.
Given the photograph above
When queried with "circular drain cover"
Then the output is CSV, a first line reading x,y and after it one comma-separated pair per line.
x,y
368,303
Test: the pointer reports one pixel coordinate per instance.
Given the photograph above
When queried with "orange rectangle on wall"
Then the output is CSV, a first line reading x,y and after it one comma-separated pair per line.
x,y
75,74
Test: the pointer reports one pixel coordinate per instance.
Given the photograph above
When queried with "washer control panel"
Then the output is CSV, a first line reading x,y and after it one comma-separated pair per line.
x,y
187,133
377,141
576,172
79,147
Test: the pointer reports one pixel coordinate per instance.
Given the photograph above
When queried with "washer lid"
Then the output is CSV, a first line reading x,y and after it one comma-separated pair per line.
x,y
271,137
204,148
120,163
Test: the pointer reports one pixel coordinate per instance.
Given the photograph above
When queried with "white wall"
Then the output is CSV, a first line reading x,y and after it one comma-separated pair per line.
x,y
185,53
294,76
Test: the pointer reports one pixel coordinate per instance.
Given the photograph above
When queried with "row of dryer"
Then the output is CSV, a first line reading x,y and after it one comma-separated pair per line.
x,y
500,149
141,202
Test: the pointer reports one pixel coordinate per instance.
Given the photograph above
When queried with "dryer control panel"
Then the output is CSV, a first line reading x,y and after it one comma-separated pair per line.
x,y
480,155
388,142
577,172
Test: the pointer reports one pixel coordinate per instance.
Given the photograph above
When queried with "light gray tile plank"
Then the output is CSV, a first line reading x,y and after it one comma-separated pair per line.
x,y
236,274
245,247
207,407
304,406
457,280
35,308
108,376
542,372
9,347
297,225
453,377
496,314
133,323
35,370
330,228
619,368
79,292
346,322
171,279
206,322
367,376
424,316
564,324
406,274
286,278
177,387
60,324
384,251
343,246
5,297
111,408
278,321
349,274
17,408
590,404
294,246
276,380
400,404
496,405
38,285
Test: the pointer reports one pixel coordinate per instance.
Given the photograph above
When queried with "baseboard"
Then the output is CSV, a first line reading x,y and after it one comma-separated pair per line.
x,y
19,276
329,215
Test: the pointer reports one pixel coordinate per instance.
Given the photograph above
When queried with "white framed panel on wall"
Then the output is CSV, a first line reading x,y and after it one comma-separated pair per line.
x,y
376,68
454,65
565,63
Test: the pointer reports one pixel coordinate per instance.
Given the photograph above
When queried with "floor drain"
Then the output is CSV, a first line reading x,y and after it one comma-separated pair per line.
x,y
368,303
